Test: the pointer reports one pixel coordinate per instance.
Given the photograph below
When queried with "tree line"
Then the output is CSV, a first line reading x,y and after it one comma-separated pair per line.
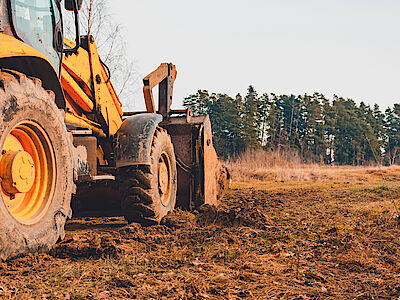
x,y
321,130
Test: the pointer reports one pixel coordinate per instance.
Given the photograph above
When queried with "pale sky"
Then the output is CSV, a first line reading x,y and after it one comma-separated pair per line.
x,y
345,47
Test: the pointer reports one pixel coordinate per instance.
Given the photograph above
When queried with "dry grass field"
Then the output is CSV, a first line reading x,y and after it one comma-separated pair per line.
x,y
288,232
288,166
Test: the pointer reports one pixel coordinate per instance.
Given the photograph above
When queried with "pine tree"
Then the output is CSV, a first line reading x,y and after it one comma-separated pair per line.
x,y
199,102
312,130
392,125
340,131
251,119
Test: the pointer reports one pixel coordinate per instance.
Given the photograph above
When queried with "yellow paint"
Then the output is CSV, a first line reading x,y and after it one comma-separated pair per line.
x,y
78,81
28,172
73,90
18,170
11,47
85,123
165,178
78,67
84,80
104,93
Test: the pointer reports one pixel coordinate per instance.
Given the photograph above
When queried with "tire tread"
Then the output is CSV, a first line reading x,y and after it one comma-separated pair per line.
x,y
136,189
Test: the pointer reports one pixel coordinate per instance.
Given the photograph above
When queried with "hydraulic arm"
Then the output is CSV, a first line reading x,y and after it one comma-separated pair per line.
x,y
164,76
92,100
140,165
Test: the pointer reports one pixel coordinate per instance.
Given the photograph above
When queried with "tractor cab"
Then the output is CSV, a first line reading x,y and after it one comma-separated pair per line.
x,y
38,23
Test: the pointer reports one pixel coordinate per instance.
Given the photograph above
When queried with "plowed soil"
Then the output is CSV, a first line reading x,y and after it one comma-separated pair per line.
x,y
295,240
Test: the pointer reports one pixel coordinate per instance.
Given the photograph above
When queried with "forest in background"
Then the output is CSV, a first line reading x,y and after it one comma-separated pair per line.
x,y
318,129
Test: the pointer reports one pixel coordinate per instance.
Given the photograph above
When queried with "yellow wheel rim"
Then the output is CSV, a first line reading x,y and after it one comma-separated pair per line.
x,y
164,178
27,172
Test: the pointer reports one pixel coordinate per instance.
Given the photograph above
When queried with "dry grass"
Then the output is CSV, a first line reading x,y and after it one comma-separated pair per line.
x,y
268,240
261,165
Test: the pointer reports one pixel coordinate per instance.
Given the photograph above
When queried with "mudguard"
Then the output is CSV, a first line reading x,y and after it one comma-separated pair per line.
x,y
134,139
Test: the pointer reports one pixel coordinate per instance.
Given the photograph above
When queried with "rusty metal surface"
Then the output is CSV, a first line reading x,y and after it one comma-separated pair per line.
x,y
216,176
165,76
202,179
182,135
90,143
134,138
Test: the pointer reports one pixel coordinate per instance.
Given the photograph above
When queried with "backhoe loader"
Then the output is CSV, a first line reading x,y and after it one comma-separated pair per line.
x,y
64,135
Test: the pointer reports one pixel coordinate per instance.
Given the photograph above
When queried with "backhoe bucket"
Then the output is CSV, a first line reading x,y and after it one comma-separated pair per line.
x,y
202,179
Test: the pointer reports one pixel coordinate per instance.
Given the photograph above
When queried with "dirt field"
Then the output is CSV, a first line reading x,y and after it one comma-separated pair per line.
x,y
269,239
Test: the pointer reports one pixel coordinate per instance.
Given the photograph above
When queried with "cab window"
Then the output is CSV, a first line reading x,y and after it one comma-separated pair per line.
x,y
35,23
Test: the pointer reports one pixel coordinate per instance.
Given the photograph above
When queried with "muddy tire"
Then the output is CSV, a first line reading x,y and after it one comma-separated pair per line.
x,y
34,205
149,192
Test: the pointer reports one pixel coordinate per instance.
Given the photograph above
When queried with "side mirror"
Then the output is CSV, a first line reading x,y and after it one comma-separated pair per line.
x,y
75,6
69,4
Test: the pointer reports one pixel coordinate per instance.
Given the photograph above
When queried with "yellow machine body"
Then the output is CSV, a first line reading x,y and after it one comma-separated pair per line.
x,y
19,56
66,142
92,103
89,91
85,93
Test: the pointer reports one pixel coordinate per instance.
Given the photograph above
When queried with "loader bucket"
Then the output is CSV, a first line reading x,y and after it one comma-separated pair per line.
x,y
202,179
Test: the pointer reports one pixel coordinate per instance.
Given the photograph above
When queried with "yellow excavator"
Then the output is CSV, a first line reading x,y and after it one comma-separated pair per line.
x,y
65,139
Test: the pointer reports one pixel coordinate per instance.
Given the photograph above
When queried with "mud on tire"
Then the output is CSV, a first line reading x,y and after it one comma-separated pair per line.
x,y
146,197
23,99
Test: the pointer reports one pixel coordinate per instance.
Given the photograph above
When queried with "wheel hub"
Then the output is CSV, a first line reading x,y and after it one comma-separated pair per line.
x,y
164,178
27,172
18,172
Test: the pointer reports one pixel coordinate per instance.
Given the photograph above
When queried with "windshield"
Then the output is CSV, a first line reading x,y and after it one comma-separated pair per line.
x,y
35,22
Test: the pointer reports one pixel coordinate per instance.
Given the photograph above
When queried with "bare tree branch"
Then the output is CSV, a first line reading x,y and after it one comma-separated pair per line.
x,y
96,20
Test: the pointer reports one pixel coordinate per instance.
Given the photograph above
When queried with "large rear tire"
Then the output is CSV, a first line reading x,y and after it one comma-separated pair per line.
x,y
36,167
149,192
